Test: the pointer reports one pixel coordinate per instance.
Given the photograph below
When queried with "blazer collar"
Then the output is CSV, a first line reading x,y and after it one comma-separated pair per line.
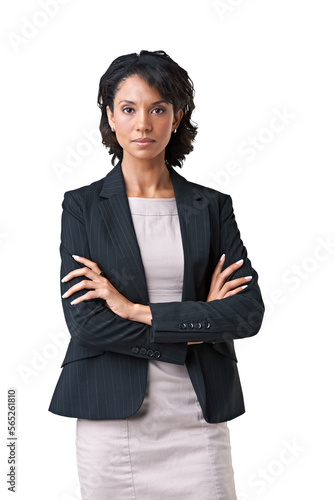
x,y
194,226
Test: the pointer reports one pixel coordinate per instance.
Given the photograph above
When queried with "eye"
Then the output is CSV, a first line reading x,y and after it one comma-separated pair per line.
x,y
158,111
127,110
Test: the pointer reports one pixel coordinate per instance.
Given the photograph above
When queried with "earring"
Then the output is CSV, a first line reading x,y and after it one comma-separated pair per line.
x,y
112,129
175,131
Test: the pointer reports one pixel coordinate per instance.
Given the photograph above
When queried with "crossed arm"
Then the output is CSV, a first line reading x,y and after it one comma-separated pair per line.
x,y
98,287
115,323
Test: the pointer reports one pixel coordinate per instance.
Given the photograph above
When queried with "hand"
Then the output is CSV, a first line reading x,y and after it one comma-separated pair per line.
x,y
220,288
99,287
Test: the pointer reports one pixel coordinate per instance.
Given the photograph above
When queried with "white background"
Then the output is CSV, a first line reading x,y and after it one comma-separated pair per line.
x,y
250,60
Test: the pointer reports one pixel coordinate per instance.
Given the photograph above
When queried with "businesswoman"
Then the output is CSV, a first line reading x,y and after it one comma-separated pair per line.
x,y
156,285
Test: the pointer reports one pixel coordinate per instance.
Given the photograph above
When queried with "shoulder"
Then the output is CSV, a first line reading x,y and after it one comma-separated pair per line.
x,y
84,195
89,190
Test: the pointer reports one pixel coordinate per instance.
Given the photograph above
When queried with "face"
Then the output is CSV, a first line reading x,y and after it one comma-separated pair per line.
x,y
143,121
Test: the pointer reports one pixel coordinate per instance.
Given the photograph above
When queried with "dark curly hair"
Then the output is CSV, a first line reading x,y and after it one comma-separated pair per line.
x,y
172,83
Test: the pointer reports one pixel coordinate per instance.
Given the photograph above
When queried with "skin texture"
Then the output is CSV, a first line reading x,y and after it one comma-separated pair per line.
x,y
143,123
141,113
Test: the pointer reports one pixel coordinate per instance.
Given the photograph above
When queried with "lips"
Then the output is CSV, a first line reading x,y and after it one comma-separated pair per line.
x,y
143,140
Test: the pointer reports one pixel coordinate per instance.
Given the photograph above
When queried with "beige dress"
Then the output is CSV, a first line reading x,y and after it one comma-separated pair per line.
x,y
166,451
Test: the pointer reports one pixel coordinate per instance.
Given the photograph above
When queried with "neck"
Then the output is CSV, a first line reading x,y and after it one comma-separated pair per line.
x,y
147,179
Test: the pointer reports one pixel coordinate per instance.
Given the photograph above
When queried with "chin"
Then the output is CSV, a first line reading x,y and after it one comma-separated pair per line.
x,y
146,155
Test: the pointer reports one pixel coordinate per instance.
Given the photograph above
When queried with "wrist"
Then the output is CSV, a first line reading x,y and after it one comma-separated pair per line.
x,y
141,313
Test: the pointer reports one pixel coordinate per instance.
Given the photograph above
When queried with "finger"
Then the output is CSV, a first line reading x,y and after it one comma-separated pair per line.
x,y
219,277
233,292
82,271
218,282
219,266
87,296
215,286
231,269
83,285
229,285
89,263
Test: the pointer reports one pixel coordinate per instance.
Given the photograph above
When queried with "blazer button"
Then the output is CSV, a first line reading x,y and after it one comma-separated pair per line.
x,y
150,353
198,326
183,326
206,324
190,326
143,351
157,354
135,350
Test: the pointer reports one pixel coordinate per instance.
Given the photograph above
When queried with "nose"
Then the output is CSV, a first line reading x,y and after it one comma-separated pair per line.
x,y
143,122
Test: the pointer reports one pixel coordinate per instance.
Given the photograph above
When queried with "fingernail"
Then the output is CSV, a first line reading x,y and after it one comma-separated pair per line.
x,y
76,257
64,296
73,302
245,286
222,257
248,278
239,261
64,279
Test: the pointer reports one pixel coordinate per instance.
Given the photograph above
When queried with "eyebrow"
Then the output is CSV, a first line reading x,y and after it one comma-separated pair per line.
x,y
152,104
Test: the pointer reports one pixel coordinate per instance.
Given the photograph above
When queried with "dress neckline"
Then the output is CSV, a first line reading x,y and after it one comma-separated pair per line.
x,y
152,206
152,199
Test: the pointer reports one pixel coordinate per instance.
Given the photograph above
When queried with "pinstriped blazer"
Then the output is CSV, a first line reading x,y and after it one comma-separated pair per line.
x,y
105,367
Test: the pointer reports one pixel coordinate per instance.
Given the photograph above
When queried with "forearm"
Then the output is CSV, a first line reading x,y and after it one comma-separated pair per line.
x,y
141,313
216,321
96,327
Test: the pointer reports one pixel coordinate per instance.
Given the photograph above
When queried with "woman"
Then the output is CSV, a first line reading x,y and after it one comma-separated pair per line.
x,y
147,265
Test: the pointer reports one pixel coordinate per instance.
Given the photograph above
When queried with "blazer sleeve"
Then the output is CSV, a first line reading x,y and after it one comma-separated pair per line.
x,y
91,323
221,320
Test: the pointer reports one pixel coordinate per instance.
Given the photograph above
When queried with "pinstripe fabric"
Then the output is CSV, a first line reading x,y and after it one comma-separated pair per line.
x,y
105,367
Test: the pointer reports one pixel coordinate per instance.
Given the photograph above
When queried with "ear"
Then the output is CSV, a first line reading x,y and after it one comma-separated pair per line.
x,y
177,119
110,115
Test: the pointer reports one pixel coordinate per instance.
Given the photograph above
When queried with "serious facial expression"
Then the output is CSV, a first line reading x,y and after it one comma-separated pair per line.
x,y
143,121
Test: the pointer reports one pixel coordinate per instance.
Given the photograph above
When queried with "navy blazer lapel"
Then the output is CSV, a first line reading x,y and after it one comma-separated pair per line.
x,y
194,225
194,219
116,214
